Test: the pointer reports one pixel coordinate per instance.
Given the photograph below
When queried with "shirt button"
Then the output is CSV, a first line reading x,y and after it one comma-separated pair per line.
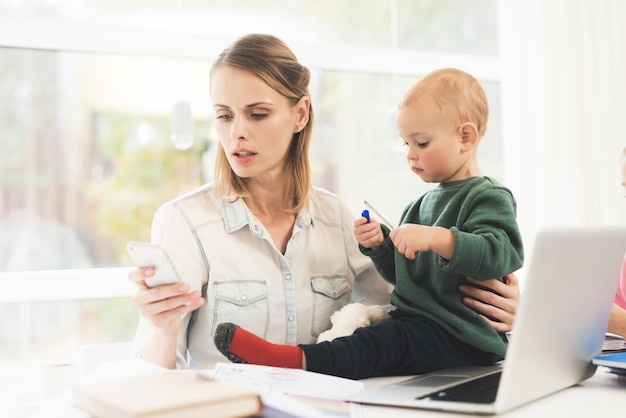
x,y
290,317
288,277
255,228
244,298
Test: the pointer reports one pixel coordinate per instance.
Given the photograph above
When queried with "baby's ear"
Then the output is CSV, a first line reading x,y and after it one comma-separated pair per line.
x,y
469,135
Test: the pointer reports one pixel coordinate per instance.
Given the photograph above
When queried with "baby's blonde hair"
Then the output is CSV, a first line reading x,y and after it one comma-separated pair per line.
x,y
459,96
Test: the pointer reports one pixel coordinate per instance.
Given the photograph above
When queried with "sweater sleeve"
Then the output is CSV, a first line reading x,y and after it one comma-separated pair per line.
x,y
488,242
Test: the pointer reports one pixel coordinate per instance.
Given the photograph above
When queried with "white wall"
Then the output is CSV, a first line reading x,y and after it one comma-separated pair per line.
x,y
564,110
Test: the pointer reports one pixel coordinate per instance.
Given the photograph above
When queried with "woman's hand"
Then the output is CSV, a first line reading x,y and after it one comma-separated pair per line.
x,y
498,308
164,305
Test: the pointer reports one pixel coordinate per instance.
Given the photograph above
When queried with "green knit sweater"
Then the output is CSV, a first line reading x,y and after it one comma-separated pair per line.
x,y
481,214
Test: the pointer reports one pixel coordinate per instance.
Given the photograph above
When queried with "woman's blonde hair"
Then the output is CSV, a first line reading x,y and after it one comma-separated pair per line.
x,y
459,96
272,61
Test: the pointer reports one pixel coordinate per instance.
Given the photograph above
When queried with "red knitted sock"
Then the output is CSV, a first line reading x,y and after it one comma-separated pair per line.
x,y
241,346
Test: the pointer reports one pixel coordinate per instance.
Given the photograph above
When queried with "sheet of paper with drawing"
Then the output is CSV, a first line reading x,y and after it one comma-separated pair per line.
x,y
293,390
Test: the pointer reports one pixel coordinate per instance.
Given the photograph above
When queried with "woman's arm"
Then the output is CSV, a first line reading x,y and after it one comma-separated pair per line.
x,y
498,308
162,307
617,321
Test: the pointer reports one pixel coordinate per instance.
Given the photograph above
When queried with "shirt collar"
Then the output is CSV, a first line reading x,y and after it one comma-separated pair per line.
x,y
237,215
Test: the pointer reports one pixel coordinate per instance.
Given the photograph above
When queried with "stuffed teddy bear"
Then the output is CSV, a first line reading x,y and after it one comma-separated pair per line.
x,y
350,317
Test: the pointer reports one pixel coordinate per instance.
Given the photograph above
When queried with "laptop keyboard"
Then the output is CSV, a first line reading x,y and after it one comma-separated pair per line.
x,y
481,390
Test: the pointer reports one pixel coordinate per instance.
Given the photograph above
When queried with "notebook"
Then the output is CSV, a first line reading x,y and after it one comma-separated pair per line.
x,y
559,328
613,343
168,394
616,362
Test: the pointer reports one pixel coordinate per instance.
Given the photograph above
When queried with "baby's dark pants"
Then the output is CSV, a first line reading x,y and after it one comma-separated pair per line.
x,y
403,345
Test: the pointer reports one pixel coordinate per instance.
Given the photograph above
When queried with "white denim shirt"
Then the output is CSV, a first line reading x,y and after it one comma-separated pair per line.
x,y
219,247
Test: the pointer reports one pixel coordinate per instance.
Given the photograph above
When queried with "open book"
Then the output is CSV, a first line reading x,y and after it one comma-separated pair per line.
x,y
171,394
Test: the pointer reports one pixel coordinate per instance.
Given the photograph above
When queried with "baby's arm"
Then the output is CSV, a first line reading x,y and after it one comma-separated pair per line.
x,y
411,239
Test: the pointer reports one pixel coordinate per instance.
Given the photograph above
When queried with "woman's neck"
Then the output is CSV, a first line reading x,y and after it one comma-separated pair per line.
x,y
264,199
267,207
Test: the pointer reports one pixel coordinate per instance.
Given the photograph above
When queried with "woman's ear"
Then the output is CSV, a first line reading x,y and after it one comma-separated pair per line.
x,y
469,136
302,113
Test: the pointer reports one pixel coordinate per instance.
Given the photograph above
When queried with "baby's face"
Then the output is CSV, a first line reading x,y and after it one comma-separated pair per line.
x,y
433,142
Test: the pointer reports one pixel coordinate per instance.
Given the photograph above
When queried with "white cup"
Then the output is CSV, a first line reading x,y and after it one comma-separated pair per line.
x,y
54,378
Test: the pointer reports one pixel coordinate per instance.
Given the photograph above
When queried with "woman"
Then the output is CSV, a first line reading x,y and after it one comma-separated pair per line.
x,y
260,245
617,321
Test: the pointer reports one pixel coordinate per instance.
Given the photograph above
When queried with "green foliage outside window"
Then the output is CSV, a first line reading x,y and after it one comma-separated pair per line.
x,y
136,176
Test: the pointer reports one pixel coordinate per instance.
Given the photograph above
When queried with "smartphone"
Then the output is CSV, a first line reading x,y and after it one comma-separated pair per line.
x,y
145,254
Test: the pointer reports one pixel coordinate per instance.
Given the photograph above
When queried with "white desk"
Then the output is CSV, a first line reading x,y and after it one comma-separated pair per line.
x,y
601,395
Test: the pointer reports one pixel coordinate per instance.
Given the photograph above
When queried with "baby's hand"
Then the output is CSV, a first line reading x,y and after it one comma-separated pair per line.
x,y
368,234
411,239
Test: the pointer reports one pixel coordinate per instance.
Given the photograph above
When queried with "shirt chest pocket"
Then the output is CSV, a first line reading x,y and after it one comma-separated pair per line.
x,y
243,302
329,295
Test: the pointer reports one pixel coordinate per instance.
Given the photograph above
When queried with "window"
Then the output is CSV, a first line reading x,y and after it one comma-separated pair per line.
x,y
86,93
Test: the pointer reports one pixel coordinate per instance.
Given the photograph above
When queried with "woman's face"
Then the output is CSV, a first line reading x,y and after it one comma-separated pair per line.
x,y
254,123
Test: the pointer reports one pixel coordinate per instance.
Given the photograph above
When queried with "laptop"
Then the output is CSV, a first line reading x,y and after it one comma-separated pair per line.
x,y
559,328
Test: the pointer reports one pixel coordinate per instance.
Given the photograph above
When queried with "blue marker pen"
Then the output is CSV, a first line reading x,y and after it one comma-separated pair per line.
x,y
366,215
